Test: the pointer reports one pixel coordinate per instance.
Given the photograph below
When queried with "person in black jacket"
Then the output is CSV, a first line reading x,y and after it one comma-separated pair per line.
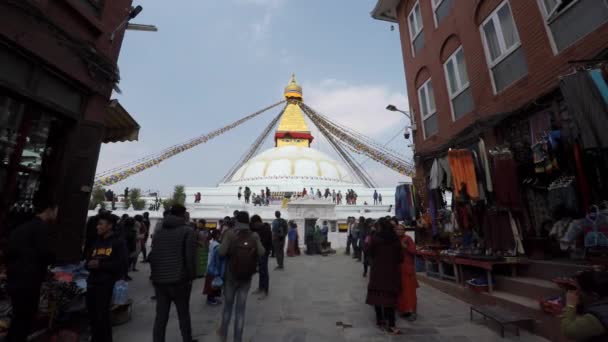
x,y
107,263
173,267
28,256
265,233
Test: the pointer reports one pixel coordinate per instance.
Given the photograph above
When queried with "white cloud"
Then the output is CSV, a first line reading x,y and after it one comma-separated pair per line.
x,y
261,26
360,107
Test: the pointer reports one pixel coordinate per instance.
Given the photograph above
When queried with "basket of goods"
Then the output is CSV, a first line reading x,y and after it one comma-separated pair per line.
x,y
552,305
478,285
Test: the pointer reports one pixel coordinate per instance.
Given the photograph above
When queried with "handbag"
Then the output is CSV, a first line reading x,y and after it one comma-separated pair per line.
x,y
217,283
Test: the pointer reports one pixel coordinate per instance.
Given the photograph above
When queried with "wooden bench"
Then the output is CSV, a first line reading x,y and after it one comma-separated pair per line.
x,y
502,317
488,266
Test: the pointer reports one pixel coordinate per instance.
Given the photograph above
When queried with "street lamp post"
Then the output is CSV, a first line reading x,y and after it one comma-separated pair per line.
x,y
393,108
412,126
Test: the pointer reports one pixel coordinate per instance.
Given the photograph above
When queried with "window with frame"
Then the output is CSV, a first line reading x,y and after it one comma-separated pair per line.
x,y
501,42
428,110
458,84
414,20
441,9
564,20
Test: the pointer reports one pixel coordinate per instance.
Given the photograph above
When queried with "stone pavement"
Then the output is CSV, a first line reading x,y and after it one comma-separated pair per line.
x,y
306,301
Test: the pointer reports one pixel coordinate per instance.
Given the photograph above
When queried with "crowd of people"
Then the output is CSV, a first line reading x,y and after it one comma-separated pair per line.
x,y
388,256
240,247
349,197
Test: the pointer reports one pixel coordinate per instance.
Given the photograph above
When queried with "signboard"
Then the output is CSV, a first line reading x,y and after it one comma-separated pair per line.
x,y
343,227
211,225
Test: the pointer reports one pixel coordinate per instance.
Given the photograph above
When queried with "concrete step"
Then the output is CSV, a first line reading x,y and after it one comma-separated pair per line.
x,y
529,287
545,324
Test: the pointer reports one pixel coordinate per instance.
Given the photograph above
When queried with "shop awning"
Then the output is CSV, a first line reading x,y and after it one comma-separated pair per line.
x,y
119,124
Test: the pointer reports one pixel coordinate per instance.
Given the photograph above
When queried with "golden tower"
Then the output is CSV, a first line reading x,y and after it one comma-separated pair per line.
x,y
293,130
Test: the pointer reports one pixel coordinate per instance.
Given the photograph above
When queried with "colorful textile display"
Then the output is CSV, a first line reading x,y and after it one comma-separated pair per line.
x,y
463,173
404,203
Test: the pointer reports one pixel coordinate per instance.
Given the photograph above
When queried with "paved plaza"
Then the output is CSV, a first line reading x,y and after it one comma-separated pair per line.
x,y
306,301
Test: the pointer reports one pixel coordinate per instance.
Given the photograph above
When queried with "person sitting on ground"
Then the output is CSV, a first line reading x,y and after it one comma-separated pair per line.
x,y
586,314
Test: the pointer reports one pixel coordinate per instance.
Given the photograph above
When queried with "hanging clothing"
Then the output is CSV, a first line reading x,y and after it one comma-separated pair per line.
x,y
407,297
404,203
581,179
519,246
480,176
588,109
434,180
463,173
497,231
483,155
563,198
538,207
506,184
444,168
433,208
440,173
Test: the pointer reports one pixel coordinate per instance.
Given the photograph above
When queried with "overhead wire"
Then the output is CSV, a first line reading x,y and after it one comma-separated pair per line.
x,y
137,168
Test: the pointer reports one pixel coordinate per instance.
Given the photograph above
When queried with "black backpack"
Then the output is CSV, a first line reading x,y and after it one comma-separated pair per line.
x,y
243,256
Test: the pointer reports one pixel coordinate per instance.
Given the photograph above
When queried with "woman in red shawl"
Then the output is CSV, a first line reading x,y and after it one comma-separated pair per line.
x,y
407,296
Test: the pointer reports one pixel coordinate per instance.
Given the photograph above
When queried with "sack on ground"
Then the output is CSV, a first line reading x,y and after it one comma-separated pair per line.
x,y
120,295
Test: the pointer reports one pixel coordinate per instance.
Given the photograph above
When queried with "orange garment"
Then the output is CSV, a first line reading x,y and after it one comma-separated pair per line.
x,y
463,172
407,296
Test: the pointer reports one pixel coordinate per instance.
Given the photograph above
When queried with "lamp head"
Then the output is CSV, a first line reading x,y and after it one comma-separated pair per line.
x,y
135,11
391,107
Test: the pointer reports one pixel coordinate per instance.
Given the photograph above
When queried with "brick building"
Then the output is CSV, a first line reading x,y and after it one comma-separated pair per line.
x,y
499,56
57,73
529,78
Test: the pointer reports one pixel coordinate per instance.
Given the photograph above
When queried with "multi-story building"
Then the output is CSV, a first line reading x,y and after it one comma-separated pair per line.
x,y
519,82
57,73
469,63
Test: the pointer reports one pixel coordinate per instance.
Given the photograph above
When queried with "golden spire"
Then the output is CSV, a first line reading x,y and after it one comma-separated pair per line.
x,y
293,130
293,90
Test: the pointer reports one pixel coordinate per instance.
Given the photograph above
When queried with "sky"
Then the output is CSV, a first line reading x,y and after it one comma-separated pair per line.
x,y
213,62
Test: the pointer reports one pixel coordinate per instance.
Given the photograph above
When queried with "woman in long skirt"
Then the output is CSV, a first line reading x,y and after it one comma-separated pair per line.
x,y
409,284
292,240
384,279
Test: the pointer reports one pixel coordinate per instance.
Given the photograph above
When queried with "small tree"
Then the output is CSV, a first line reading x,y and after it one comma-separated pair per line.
x,y
167,203
179,195
97,198
136,200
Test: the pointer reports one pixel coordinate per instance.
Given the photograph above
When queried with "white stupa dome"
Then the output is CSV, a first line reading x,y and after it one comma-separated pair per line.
x,y
291,163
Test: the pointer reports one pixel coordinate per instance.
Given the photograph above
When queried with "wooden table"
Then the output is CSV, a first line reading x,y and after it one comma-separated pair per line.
x,y
488,266
430,257
433,257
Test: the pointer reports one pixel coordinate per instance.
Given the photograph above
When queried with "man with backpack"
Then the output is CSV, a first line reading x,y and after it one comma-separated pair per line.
x,y
242,248
173,267
279,233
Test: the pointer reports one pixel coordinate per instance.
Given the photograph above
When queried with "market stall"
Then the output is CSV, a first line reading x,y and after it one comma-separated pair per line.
x,y
62,309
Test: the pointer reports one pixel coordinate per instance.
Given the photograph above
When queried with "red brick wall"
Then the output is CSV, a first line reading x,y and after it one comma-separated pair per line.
x,y
35,36
463,22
